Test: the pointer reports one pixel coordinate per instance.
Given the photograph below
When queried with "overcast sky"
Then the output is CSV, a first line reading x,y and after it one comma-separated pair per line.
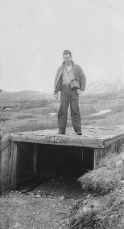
x,y
34,34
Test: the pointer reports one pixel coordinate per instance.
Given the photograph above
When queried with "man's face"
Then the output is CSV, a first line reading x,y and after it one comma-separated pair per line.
x,y
67,58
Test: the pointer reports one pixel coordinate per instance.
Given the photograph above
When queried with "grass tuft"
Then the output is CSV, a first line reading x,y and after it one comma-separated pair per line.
x,y
109,213
103,204
105,178
100,181
24,116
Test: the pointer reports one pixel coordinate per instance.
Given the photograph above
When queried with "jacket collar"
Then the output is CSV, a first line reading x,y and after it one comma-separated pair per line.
x,y
63,64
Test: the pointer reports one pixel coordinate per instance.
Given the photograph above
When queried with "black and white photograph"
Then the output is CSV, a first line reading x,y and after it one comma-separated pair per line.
x,y
61,114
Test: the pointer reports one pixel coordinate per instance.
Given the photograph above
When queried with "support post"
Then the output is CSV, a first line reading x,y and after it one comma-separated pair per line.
x,y
13,165
95,158
4,162
35,160
123,167
98,154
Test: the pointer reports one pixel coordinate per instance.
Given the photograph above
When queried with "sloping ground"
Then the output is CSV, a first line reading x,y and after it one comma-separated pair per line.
x,y
113,119
103,203
35,115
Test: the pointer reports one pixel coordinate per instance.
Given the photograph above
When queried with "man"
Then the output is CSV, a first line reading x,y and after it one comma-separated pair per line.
x,y
70,81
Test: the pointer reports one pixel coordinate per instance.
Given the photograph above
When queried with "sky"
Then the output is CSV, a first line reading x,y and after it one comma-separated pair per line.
x,y
34,34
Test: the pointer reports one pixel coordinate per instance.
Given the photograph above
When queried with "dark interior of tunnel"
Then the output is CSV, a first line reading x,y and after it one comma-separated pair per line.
x,y
60,159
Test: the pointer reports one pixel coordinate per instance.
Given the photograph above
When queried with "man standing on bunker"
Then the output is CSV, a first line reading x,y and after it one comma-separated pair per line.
x,y
70,81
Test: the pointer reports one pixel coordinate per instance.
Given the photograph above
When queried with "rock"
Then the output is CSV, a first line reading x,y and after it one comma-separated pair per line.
x,y
38,195
119,164
62,198
44,196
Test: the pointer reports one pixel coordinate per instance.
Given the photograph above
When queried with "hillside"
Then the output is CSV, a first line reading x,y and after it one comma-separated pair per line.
x,y
24,95
26,114
103,86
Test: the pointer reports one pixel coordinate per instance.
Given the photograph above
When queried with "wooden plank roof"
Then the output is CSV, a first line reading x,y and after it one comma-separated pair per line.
x,y
92,136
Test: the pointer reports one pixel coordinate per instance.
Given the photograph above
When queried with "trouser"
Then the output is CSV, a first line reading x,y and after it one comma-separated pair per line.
x,y
69,96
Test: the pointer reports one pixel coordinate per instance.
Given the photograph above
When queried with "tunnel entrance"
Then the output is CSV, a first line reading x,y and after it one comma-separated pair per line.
x,y
64,158
35,154
43,160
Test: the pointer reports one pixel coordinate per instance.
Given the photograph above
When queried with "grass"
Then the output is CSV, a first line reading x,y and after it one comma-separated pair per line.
x,y
33,126
105,178
104,213
100,181
113,119
103,204
24,116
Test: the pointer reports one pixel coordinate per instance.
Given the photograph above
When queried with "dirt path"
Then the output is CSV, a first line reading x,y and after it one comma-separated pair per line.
x,y
46,206
26,211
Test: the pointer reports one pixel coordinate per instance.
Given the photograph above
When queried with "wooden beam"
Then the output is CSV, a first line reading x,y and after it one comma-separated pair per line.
x,y
111,141
95,158
58,140
13,165
4,168
35,159
10,165
123,166
0,172
98,154
4,141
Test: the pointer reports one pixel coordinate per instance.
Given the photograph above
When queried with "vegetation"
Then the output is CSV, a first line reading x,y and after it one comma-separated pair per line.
x,y
103,202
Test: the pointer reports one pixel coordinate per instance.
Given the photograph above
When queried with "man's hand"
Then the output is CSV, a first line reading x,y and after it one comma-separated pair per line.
x,y
56,96
79,91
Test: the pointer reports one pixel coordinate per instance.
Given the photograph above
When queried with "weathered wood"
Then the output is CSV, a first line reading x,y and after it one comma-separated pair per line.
x,y
0,172
111,141
123,167
10,166
5,168
98,154
4,141
13,165
121,147
94,137
58,140
95,158
35,160
101,139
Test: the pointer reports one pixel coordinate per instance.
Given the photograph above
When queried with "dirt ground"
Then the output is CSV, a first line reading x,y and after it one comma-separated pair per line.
x,y
46,206
27,211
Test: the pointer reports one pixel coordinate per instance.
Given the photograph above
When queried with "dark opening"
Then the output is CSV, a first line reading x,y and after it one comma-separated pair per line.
x,y
60,158
57,158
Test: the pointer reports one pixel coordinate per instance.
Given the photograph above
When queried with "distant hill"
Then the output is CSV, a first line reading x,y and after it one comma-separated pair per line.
x,y
104,87
24,95
101,88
